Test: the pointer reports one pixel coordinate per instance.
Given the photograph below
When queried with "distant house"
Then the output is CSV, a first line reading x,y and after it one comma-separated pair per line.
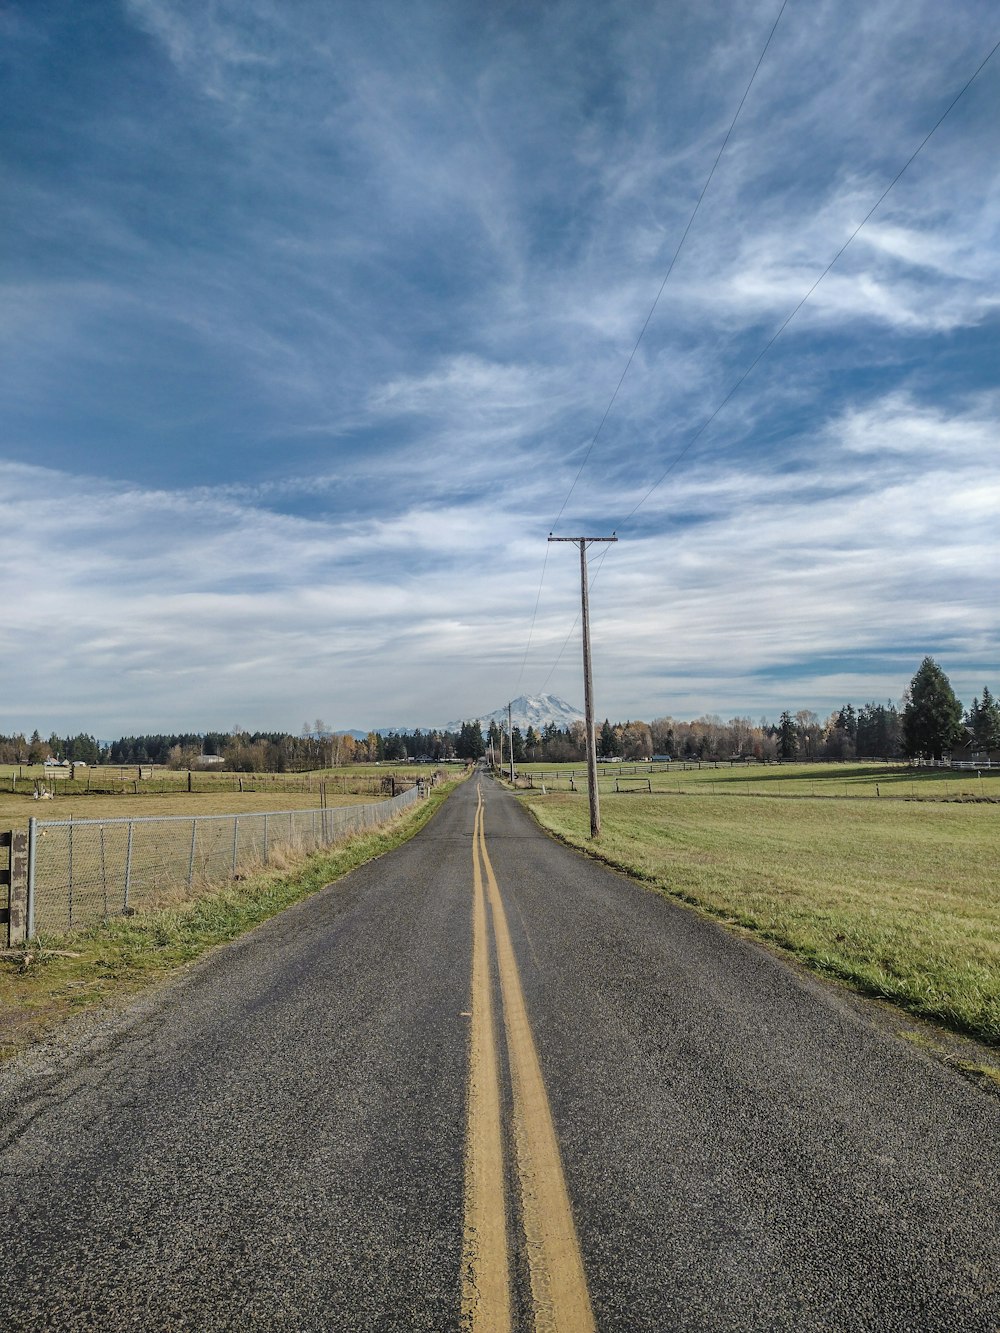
x,y
969,753
208,760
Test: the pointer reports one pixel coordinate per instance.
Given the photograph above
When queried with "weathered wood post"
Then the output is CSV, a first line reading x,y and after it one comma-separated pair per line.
x,y
14,916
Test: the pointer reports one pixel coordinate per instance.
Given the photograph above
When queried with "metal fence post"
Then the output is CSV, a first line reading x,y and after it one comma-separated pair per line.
x,y
128,865
104,872
29,911
194,835
265,838
70,854
236,842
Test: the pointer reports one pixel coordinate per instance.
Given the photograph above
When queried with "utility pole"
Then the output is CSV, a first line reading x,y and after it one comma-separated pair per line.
x,y
588,684
510,738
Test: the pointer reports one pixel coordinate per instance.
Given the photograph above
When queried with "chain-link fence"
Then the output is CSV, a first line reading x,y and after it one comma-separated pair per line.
x,y
85,870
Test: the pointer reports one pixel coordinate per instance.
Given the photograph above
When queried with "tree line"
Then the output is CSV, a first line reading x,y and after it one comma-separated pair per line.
x,y
928,723
873,730
238,750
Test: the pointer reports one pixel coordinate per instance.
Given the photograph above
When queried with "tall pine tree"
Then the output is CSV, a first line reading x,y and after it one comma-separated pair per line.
x,y
932,718
984,721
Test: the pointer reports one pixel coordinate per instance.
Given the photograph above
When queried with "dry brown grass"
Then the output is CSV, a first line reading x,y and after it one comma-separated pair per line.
x,y
112,960
15,811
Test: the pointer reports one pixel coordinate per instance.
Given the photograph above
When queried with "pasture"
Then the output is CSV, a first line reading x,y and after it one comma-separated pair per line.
x,y
858,779
150,840
898,898
119,792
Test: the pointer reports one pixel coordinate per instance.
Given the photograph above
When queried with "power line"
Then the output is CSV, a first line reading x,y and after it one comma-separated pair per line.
x,y
788,319
670,268
572,628
534,617
784,324
666,276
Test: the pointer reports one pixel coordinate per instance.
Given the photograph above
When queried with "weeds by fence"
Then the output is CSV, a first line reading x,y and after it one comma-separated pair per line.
x,y
85,870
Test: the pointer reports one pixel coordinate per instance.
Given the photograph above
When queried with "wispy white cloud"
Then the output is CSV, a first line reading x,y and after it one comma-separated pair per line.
x,y
214,48
208,598
839,561
304,353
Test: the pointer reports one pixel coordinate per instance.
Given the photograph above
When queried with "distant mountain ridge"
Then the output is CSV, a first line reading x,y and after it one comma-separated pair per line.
x,y
529,710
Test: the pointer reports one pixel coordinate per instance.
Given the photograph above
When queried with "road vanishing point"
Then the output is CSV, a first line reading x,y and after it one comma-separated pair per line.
x,y
484,1083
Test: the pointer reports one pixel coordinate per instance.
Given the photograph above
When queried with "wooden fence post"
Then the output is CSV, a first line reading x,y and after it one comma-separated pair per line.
x,y
15,879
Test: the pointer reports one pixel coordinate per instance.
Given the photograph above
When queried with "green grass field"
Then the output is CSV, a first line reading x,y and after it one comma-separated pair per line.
x,y
871,780
900,899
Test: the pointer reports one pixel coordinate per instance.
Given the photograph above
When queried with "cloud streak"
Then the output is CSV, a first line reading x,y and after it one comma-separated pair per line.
x,y
309,319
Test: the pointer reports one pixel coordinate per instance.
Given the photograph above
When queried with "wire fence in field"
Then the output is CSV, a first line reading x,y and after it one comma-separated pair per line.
x,y
85,870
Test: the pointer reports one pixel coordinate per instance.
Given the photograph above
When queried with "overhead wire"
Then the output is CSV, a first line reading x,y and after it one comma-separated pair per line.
x,y
673,261
591,579
534,617
788,319
642,331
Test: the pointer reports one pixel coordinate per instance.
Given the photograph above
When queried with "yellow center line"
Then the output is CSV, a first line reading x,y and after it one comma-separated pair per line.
x,y
485,1266
560,1300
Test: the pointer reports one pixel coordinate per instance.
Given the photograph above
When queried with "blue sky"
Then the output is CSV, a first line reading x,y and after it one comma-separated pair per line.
x,y
311,312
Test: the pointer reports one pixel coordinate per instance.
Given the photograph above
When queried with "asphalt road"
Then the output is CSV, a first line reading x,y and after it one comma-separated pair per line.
x,y
279,1141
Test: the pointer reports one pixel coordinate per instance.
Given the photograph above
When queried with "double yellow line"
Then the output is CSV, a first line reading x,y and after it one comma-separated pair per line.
x,y
560,1303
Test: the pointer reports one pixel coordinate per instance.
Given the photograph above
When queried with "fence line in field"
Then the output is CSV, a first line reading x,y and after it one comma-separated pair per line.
x,y
84,870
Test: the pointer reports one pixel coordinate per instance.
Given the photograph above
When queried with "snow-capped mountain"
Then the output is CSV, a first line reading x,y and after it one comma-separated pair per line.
x,y
530,711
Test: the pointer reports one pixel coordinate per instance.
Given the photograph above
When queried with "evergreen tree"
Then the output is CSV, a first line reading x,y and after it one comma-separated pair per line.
x,y
847,722
932,718
37,748
606,741
394,748
983,720
470,743
879,732
788,740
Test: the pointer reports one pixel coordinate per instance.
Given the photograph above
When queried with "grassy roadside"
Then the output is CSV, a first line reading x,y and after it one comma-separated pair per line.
x,y
112,961
898,900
